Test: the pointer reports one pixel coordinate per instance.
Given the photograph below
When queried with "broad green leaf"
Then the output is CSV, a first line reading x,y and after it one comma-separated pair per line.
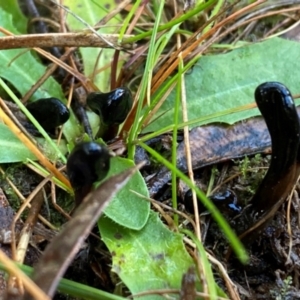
x,y
149,259
126,208
15,151
225,81
13,7
22,69
92,12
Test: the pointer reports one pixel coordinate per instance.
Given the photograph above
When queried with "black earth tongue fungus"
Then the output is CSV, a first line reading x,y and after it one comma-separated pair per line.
x,y
49,112
277,106
112,108
225,200
88,162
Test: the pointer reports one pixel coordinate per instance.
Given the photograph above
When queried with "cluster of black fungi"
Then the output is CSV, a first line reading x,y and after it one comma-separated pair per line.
x,y
89,161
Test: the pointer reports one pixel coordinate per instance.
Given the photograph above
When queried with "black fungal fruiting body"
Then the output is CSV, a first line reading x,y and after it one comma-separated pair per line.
x,y
276,105
88,162
112,108
225,200
49,112
228,199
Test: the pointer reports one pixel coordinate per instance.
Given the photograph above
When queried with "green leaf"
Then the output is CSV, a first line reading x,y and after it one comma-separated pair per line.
x,y
22,69
92,12
15,151
226,81
128,209
12,7
152,258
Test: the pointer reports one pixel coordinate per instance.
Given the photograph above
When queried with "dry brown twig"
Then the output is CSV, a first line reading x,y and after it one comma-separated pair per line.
x,y
70,39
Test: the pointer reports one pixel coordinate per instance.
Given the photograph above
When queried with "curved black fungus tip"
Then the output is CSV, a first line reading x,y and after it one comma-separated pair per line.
x,y
112,107
225,200
228,200
88,162
277,106
49,112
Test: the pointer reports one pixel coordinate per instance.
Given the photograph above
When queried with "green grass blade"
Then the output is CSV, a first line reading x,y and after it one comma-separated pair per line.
x,y
174,22
144,84
75,289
